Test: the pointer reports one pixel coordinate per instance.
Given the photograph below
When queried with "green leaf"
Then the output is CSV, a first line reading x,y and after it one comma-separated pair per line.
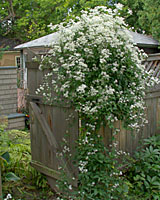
x,y
156,183
11,177
146,184
149,178
6,156
154,179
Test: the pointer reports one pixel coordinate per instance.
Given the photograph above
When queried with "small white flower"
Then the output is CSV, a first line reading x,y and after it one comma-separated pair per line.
x,y
70,187
9,196
130,12
119,6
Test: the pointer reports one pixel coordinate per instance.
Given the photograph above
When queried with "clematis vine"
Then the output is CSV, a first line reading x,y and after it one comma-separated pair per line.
x,y
96,66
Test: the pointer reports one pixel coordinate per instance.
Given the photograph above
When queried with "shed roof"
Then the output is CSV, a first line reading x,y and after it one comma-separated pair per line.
x,y
140,39
144,40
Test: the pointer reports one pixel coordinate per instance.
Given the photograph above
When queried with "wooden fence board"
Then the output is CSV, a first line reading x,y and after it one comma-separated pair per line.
x,y
8,81
8,111
16,125
8,92
45,170
158,117
34,140
156,70
8,106
8,76
32,86
6,72
149,66
153,57
8,87
47,134
18,120
158,74
8,97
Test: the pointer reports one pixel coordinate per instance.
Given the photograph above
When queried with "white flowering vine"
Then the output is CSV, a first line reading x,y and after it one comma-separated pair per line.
x,y
98,69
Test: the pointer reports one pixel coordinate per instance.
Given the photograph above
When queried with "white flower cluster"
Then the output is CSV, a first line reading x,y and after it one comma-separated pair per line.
x,y
9,196
98,68
82,166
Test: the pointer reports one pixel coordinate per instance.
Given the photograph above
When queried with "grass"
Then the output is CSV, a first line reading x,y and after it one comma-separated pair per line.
x,y
32,185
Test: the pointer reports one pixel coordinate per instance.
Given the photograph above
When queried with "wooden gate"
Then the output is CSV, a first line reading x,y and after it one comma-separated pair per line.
x,y
49,125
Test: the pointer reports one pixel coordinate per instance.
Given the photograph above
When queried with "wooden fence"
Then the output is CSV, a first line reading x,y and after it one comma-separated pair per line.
x,y
49,125
8,90
8,98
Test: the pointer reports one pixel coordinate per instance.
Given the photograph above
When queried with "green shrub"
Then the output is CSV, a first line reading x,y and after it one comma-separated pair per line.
x,y
17,171
144,175
99,172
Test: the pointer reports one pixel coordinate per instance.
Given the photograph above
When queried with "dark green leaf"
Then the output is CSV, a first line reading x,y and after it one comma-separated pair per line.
x,y
11,177
6,156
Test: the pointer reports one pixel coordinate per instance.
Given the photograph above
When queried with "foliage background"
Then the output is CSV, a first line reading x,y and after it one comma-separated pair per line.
x,y
34,16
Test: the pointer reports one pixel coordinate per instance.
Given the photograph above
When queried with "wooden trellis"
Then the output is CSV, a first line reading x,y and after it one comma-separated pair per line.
x,y
153,63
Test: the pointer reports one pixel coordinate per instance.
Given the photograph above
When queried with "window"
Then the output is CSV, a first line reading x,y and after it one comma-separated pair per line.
x,y
18,61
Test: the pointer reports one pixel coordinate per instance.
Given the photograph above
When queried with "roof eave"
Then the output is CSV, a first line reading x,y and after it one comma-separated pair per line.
x,y
20,48
138,44
148,45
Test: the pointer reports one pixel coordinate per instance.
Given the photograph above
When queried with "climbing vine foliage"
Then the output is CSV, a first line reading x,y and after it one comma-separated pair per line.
x,y
95,65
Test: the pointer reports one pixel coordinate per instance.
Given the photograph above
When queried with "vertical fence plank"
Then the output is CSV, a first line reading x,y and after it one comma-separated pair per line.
x,y
158,116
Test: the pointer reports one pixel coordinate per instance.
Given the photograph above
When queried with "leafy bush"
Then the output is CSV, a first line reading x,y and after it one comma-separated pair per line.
x,y
16,169
99,172
144,174
18,147
4,153
99,176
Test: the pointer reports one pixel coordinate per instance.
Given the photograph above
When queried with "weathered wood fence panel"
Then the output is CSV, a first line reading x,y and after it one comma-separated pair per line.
x,y
8,98
8,90
52,126
49,125
129,141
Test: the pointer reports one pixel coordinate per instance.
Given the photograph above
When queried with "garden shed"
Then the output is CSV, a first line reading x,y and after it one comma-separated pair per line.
x,y
11,57
10,74
49,124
